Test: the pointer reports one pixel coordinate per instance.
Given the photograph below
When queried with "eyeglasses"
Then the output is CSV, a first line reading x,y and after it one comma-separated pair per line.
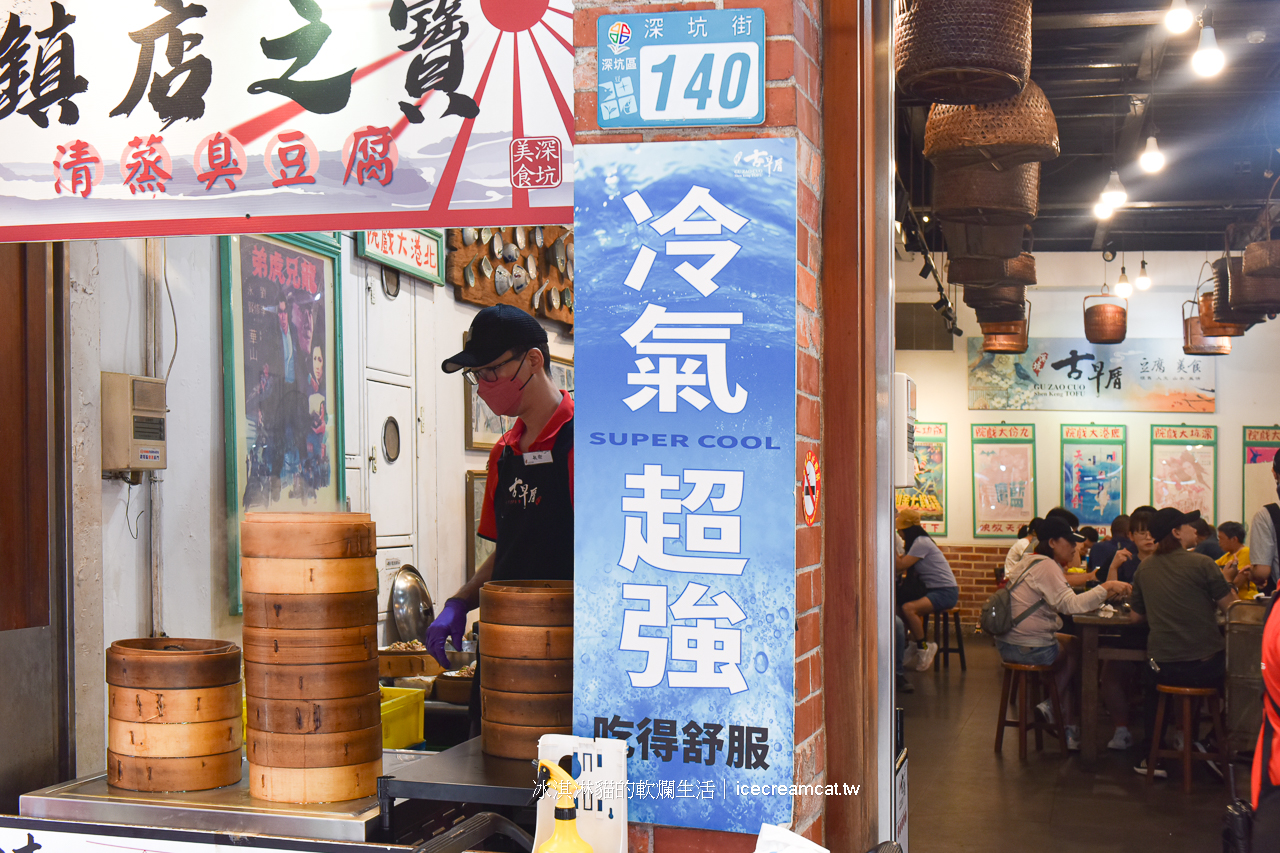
x,y
489,374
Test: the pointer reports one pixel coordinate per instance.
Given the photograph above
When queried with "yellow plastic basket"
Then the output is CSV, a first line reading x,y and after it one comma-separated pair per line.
x,y
403,709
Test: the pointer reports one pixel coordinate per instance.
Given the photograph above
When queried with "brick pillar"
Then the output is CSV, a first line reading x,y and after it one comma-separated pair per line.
x,y
793,108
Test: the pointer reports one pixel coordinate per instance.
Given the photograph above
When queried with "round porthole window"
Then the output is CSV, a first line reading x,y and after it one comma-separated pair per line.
x,y
391,439
390,283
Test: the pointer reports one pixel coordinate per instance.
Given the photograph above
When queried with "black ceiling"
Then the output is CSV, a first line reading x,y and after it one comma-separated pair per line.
x,y
1114,75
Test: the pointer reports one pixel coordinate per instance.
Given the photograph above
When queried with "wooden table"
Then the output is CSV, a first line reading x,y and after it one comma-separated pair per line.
x,y
1093,653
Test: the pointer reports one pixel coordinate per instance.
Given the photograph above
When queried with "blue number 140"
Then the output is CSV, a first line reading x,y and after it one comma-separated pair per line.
x,y
699,87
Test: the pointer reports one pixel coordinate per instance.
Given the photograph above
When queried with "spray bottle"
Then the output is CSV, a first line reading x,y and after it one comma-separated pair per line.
x,y
564,837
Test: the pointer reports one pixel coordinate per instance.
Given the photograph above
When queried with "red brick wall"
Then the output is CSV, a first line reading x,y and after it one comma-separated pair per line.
x,y
972,565
793,108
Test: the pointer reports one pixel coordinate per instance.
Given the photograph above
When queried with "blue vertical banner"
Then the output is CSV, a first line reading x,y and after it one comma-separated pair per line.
x,y
684,540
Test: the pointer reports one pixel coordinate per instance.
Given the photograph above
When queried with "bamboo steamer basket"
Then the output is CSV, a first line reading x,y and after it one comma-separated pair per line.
x,y
1224,311
173,714
527,642
520,742
998,135
990,271
453,688
406,664
526,676
979,196
318,610
549,710
330,749
527,603
311,681
314,716
1194,340
324,645
308,575
1209,324
962,51
322,535
1105,322
197,773
1010,338
982,241
314,784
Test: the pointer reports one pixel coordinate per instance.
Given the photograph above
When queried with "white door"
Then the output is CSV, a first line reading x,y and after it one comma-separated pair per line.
x,y
390,321
391,457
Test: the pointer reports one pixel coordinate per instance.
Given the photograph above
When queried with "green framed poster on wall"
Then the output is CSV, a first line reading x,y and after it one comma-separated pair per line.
x,y
1260,447
929,494
282,379
1184,469
1092,473
1004,478
418,252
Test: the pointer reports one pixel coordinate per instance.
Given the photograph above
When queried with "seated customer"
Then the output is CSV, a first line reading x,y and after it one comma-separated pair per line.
x,y
1018,550
1176,592
1236,568
1263,539
1206,540
1102,557
1037,600
941,592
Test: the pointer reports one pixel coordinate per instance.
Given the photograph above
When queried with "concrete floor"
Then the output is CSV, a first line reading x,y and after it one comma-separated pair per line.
x,y
965,797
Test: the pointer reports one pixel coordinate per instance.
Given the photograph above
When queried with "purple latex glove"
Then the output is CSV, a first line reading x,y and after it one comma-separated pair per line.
x,y
450,624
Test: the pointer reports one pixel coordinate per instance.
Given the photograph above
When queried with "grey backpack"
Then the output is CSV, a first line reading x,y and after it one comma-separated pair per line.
x,y
996,617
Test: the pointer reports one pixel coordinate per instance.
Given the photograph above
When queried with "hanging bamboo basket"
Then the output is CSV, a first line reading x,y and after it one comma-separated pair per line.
x,y
991,295
982,241
1106,322
1000,135
963,51
1000,314
1195,341
1209,324
979,196
1007,337
983,271
1224,310
1263,258
1253,293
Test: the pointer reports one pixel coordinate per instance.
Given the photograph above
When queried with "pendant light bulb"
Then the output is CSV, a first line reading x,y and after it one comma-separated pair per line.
x,y
1123,288
1124,277
1152,159
1208,59
1179,18
1114,194
1144,280
1102,210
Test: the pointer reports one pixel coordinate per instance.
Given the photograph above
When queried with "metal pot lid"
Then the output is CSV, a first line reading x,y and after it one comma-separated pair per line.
x,y
469,275
569,266
553,299
411,606
510,253
560,253
519,279
522,239
537,237
497,244
486,267
501,280
486,234
468,236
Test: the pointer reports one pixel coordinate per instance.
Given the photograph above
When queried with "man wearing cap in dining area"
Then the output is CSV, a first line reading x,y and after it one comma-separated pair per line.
x,y
528,501
1177,591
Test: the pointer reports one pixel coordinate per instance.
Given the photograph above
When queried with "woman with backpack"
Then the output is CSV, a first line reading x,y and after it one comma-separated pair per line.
x,y
1038,592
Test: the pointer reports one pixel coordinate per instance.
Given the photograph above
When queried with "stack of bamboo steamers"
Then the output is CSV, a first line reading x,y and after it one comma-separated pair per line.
x,y
311,656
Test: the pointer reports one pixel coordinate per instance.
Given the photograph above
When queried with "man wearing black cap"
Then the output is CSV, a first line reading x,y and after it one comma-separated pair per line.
x,y
1264,534
1176,591
528,501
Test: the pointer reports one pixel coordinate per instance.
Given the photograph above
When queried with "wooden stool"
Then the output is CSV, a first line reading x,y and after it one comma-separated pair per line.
x,y
1028,678
1190,726
945,648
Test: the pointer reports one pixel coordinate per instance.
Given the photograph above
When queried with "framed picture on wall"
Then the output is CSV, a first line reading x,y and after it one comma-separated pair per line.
x,y
929,493
478,548
562,373
1092,483
1004,479
1184,469
1260,447
282,379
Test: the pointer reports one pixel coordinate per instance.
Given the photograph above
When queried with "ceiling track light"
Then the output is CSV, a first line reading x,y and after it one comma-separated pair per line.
x,y
1179,18
1152,159
1208,60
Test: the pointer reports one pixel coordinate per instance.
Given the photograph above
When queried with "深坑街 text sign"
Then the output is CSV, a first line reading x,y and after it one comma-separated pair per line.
x,y
1071,374
684,603
136,117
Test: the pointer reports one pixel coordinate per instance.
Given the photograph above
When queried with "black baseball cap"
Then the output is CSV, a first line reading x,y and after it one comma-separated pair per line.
x,y
1169,519
496,330
1055,527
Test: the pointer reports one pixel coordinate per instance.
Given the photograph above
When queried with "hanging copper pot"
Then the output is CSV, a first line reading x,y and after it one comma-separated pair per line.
x,y
1007,337
1106,322
1195,341
1209,324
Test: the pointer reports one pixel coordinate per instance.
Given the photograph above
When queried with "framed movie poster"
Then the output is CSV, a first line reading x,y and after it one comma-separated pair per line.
x,y
1004,479
1184,469
282,379
929,494
1260,447
478,548
1092,481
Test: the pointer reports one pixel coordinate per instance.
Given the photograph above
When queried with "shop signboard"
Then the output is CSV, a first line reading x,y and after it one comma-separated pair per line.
x,y
1260,447
1093,473
132,118
929,493
1071,374
1004,478
1184,468
418,252
686,487
680,69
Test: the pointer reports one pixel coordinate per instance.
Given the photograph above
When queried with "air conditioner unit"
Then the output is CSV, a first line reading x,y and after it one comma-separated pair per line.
x,y
133,423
